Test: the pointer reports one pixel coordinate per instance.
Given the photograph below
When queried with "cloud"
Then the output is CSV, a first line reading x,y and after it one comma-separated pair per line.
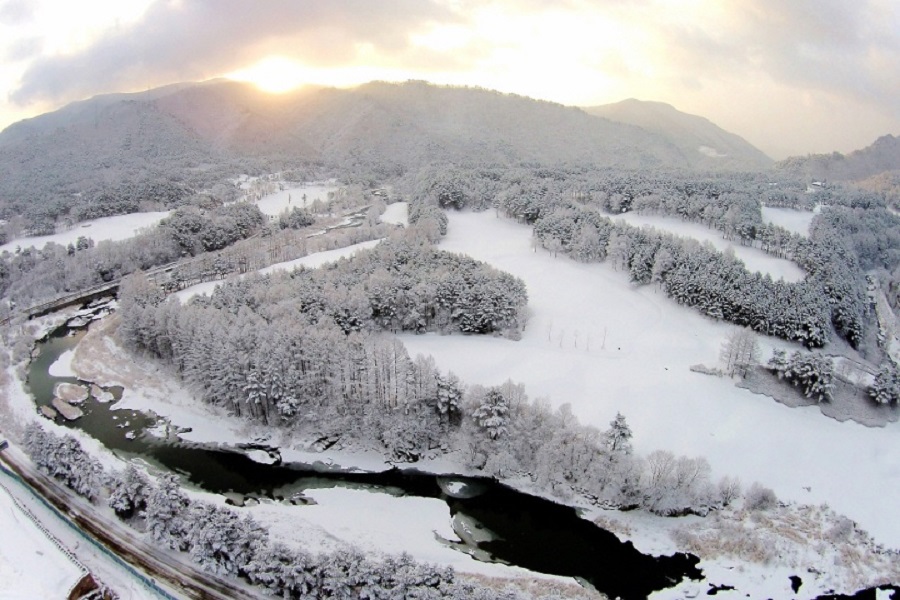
x,y
846,49
23,49
14,12
185,40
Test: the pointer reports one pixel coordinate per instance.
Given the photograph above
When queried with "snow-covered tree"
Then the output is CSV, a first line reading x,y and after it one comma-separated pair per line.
x,y
167,514
740,352
618,436
813,373
128,492
886,387
491,415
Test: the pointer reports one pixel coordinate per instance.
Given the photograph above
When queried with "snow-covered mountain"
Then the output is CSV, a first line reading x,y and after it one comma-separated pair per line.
x,y
198,132
882,156
701,142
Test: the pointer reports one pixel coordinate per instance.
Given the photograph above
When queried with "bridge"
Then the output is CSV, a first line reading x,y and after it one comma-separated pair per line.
x,y
81,296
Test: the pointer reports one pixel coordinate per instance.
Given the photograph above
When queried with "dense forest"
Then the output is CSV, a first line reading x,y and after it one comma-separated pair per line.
x,y
853,234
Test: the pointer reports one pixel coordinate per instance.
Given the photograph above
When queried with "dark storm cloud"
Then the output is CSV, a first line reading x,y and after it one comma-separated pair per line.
x,y
847,48
194,39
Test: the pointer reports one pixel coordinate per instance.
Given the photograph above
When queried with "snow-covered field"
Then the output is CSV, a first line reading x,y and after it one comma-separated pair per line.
x,y
375,523
396,213
302,196
596,342
755,259
312,261
31,566
116,228
797,221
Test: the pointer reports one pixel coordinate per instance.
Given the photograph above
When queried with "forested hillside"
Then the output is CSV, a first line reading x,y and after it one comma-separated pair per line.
x,y
130,152
701,141
882,156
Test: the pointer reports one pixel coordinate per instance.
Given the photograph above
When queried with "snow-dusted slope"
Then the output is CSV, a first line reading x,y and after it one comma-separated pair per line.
x,y
695,136
598,343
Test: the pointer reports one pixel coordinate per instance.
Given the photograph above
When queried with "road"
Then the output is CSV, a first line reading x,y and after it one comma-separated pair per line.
x,y
124,542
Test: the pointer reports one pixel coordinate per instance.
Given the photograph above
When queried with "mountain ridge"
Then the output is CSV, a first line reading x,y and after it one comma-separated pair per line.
x,y
198,133
881,156
693,134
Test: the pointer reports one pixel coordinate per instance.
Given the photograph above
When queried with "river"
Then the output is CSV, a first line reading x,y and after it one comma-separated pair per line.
x,y
524,530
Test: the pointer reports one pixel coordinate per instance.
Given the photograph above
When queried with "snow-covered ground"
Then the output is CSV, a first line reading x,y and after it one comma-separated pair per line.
x,y
312,261
396,214
797,221
375,523
116,228
276,203
31,565
596,342
754,258
62,367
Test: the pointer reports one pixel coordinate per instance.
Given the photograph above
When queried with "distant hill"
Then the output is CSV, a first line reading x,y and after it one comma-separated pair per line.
x,y
703,143
882,156
198,133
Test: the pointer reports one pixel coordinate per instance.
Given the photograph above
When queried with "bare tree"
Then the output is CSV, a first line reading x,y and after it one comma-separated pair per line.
x,y
740,352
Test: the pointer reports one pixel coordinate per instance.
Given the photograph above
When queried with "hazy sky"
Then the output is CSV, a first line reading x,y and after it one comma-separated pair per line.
x,y
790,76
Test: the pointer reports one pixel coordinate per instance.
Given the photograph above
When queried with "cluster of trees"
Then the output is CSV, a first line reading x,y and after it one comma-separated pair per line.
x,y
196,231
813,373
219,541
304,346
853,233
295,218
246,349
693,274
886,387
30,275
63,458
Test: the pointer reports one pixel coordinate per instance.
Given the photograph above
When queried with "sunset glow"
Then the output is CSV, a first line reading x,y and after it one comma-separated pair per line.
x,y
791,77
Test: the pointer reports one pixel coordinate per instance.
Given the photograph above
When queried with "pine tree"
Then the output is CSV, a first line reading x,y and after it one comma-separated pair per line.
x,y
618,436
886,387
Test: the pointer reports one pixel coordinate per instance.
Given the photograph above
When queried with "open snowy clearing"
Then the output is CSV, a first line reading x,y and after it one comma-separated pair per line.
x,y
312,261
375,523
796,221
116,228
753,258
31,565
596,342
396,214
301,196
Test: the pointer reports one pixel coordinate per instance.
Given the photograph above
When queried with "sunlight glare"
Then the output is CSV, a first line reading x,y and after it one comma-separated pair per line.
x,y
274,74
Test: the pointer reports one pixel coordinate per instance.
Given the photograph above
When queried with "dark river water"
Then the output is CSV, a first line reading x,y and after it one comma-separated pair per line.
x,y
524,530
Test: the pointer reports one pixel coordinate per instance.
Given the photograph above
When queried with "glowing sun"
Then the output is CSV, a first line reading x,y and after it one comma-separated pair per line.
x,y
274,74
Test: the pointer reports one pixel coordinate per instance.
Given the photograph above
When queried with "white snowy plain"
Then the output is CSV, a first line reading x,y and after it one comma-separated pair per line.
x,y
754,258
116,228
274,204
396,214
602,345
796,221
